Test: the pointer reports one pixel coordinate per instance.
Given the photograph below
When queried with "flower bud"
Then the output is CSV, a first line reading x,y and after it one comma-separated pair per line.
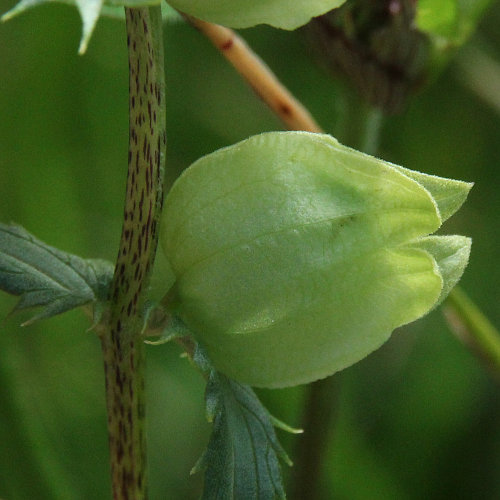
x,y
295,256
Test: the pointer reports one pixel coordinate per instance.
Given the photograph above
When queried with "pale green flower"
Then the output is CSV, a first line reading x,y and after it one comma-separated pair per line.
x,y
295,256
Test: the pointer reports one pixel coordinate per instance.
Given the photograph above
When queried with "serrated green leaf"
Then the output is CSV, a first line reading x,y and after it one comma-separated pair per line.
x,y
242,458
46,277
451,254
91,10
294,255
286,14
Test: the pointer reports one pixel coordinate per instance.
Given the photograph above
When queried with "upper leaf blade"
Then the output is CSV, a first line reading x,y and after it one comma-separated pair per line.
x,y
283,14
44,276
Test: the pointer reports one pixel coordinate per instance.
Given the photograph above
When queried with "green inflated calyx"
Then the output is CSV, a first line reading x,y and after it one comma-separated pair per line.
x,y
295,256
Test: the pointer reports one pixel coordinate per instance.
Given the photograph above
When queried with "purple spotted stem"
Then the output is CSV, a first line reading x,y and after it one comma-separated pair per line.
x,y
121,341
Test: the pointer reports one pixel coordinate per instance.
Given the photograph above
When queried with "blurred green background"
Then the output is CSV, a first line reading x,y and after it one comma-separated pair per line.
x,y
417,419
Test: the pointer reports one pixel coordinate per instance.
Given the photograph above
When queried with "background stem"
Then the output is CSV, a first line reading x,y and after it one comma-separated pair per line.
x,y
318,419
481,73
122,344
372,128
474,329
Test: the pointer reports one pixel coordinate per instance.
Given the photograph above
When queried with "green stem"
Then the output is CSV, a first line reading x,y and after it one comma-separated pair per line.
x,y
481,73
359,124
122,344
474,329
372,129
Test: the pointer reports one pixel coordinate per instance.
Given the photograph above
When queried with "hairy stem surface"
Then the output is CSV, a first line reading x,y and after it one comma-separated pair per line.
x,y
122,344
